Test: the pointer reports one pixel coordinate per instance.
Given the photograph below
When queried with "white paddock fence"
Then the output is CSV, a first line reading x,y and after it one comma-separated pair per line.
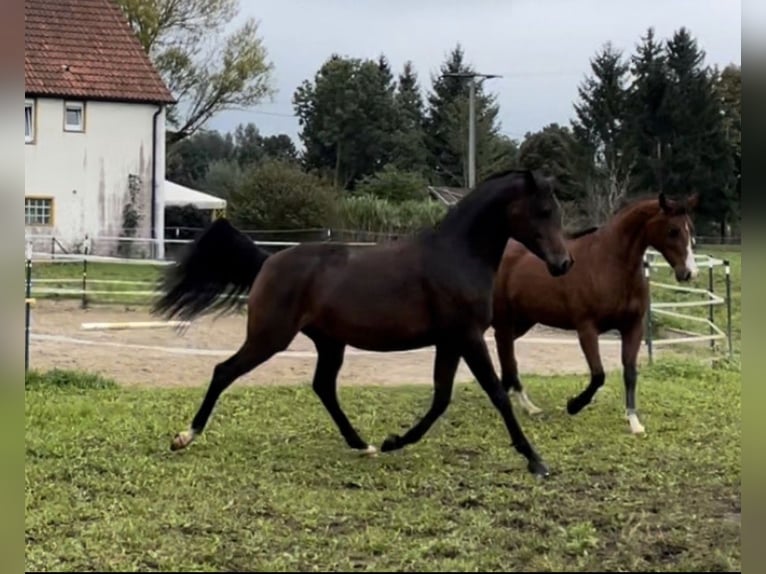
x,y
702,298
88,289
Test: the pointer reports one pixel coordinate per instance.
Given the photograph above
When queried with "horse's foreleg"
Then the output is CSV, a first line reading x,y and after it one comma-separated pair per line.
x,y
329,361
588,336
631,343
445,367
504,339
478,360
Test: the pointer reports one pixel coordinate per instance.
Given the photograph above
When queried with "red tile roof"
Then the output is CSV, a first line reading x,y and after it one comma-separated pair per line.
x,y
86,49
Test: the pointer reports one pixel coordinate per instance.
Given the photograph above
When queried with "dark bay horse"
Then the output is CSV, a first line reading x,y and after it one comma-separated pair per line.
x,y
431,289
605,290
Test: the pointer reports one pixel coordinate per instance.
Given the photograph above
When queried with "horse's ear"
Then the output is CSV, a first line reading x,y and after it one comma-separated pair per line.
x,y
531,180
693,201
665,203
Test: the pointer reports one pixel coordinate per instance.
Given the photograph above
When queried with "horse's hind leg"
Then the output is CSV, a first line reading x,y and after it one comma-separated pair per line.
x,y
259,347
329,361
445,367
505,335
588,336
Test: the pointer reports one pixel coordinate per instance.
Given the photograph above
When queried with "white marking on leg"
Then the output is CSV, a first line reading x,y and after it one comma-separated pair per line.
x,y
370,451
691,263
526,404
635,425
183,439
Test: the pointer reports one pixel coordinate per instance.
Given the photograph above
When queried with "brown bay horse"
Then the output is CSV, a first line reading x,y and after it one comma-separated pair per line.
x,y
605,290
431,289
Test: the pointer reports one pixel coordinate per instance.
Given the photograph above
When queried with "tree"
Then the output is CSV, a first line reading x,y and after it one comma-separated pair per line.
x,y
409,148
280,147
729,89
188,161
346,116
552,151
253,148
649,118
446,125
207,69
699,153
606,161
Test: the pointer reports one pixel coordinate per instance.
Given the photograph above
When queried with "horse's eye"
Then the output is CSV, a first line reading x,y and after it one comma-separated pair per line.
x,y
674,232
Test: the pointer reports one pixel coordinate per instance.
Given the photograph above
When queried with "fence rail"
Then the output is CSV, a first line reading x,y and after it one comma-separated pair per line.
x,y
37,288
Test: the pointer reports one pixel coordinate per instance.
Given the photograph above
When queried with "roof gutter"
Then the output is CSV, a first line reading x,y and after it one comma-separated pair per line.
x,y
154,174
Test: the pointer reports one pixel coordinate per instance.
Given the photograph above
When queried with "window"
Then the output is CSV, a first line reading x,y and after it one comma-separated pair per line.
x,y
38,211
74,117
29,121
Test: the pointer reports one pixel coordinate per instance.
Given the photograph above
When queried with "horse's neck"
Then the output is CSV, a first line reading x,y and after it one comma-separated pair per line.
x,y
628,236
483,232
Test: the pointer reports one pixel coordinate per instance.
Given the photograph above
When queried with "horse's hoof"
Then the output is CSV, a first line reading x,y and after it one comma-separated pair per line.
x,y
538,468
370,451
392,442
635,425
574,406
181,440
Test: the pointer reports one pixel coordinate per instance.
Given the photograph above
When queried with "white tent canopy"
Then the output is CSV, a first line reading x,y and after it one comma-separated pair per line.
x,y
179,195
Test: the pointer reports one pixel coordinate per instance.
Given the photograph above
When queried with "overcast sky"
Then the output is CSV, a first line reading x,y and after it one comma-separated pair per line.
x,y
541,47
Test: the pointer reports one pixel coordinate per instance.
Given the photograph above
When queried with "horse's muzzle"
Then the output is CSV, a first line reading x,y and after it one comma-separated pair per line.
x,y
684,275
561,267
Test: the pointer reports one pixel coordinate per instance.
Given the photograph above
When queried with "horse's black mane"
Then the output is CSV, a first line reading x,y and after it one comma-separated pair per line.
x,y
499,174
582,232
475,200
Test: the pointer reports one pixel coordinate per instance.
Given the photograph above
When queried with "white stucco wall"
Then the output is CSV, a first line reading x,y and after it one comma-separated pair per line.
x,y
87,174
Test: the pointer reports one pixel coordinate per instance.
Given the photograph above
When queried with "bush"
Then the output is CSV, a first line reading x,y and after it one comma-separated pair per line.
x,y
278,195
394,185
368,213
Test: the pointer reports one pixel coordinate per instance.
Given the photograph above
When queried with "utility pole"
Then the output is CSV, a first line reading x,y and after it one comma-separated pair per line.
x,y
471,118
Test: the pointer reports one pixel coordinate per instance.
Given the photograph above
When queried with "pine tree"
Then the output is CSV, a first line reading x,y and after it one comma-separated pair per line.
x,y
410,152
600,130
648,116
447,125
699,155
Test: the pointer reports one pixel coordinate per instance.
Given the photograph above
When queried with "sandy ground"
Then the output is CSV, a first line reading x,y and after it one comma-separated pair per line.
x,y
166,357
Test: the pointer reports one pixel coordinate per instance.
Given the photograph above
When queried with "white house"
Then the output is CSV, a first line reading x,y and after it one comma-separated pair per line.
x,y
94,129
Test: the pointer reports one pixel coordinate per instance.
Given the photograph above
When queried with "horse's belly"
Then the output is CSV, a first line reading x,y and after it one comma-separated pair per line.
x,y
382,325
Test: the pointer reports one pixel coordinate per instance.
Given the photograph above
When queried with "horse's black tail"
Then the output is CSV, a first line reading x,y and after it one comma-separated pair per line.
x,y
216,270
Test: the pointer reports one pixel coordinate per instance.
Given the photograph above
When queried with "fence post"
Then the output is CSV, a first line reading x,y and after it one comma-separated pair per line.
x,y
711,288
727,269
27,304
84,282
648,312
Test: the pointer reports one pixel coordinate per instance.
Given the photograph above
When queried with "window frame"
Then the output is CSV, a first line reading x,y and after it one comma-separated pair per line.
x,y
74,104
31,138
51,210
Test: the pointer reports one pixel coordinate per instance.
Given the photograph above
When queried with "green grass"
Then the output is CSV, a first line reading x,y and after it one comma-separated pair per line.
x,y
271,485
70,274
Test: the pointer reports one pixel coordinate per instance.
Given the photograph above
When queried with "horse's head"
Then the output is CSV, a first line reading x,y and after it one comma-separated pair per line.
x,y
535,218
671,233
